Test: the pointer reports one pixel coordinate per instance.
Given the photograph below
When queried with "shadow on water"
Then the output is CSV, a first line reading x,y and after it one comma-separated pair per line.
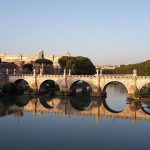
x,y
9,101
19,100
80,103
22,100
44,99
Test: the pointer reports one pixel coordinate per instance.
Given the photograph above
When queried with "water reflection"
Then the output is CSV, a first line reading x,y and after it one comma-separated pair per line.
x,y
21,101
145,106
45,101
32,122
109,108
79,106
80,103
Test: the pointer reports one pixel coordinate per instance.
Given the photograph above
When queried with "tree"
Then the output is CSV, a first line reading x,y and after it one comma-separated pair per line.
x,y
78,65
28,67
44,61
142,68
9,88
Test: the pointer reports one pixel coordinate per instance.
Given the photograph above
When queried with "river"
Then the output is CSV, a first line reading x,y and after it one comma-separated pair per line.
x,y
74,123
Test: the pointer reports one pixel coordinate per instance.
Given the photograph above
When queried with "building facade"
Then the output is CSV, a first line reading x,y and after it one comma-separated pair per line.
x,y
28,58
19,60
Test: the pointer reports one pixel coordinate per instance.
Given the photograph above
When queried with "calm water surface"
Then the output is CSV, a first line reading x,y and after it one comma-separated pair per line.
x,y
74,123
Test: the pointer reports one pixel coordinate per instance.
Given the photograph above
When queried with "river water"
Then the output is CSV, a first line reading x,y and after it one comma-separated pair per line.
x,y
74,123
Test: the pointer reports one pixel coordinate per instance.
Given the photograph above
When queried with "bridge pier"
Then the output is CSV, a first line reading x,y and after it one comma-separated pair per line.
x,y
96,92
64,87
33,89
63,91
34,86
134,95
133,92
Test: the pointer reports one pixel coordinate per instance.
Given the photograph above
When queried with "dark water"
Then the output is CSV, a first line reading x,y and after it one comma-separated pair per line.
x,y
74,123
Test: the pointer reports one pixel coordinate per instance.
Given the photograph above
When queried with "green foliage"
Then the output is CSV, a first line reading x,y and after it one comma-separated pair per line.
x,y
78,65
44,61
9,88
107,71
28,67
142,68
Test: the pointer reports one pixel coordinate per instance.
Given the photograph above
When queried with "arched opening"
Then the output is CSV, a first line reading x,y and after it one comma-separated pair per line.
x,y
80,87
116,96
49,86
145,91
22,86
80,103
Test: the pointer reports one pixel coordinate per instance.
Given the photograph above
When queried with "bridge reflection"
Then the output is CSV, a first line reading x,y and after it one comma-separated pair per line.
x,y
78,106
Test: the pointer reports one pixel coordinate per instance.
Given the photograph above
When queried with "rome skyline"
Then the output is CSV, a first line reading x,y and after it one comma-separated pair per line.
x,y
107,32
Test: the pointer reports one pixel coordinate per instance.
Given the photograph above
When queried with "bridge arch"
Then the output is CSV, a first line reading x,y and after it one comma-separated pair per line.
x,y
115,96
80,84
22,85
48,85
20,79
144,88
115,83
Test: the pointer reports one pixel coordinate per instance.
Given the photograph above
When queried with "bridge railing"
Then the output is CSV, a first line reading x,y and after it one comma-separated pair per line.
x,y
117,76
143,77
20,75
82,76
77,76
85,76
49,75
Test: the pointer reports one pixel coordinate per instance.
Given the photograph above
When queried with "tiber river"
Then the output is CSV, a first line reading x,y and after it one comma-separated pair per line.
x,y
74,123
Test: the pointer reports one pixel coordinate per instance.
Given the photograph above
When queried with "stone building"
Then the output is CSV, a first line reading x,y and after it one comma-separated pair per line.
x,y
10,66
26,58
18,61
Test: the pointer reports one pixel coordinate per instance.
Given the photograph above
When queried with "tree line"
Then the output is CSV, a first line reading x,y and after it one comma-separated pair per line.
x,y
78,65
142,68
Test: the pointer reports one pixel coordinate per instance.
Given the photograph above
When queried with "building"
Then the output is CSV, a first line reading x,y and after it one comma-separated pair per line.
x,y
9,66
106,67
28,58
20,60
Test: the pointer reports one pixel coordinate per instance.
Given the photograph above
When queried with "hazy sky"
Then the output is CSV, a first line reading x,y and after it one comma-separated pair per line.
x,y
107,31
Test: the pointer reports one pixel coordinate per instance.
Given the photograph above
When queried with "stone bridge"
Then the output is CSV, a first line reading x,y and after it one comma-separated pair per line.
x,y
97,82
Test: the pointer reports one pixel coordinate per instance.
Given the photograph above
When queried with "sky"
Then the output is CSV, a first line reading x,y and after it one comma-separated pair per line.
x,y
111,32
